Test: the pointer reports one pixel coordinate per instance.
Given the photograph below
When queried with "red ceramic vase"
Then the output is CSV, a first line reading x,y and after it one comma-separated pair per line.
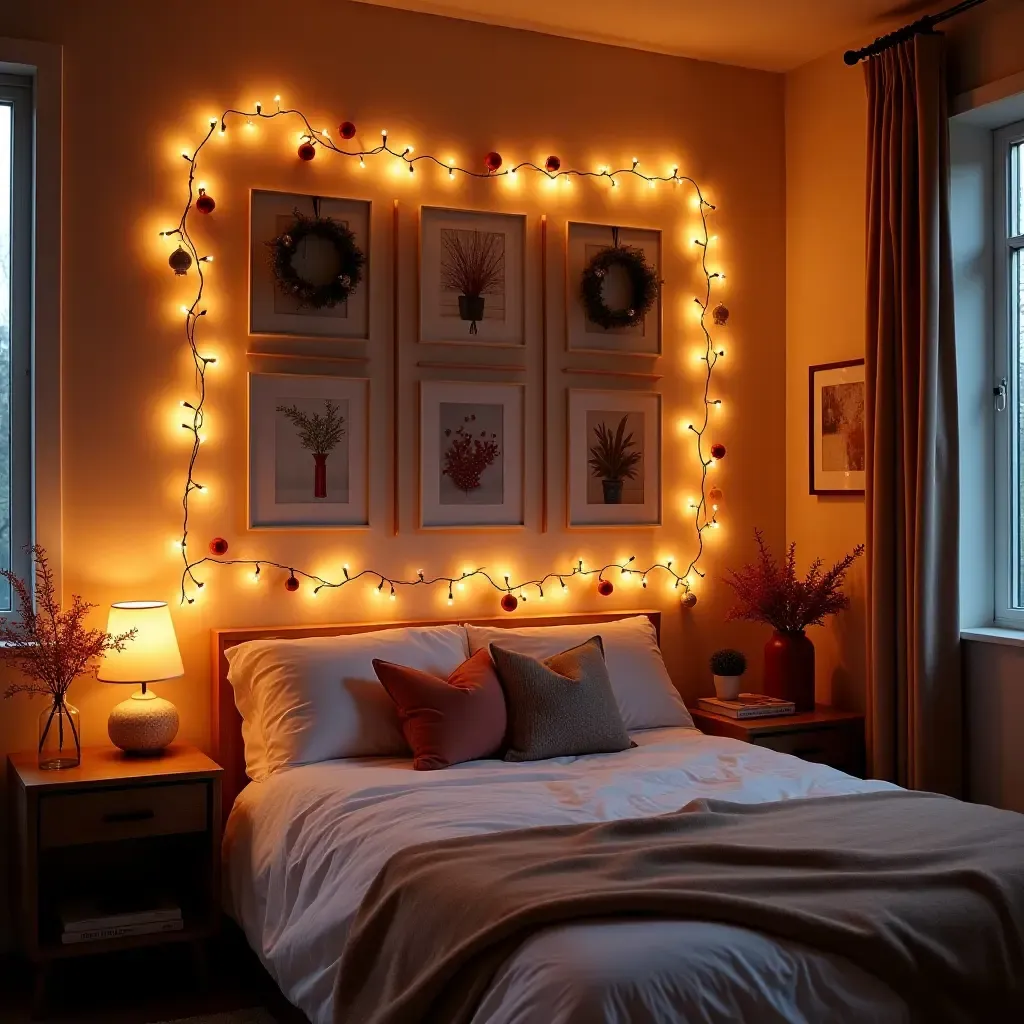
x,y
789,669
320,475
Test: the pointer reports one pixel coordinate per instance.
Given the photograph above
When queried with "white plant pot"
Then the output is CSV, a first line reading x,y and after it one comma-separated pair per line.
x,y
727,687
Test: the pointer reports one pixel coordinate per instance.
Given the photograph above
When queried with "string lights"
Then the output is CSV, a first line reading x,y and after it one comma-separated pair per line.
x,y
311,140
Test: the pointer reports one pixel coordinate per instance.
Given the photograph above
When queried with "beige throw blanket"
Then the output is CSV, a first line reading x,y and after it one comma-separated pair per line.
x,y
923,891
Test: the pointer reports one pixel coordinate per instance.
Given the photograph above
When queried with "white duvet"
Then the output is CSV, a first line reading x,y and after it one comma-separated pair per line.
x,y
303,846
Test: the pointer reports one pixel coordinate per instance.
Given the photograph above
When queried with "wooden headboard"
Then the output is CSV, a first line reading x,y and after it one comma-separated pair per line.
x,y
226,723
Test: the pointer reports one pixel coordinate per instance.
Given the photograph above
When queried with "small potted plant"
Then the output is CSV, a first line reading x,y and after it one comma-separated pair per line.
x,y
319,435
473,264
728,666
613,459
771,593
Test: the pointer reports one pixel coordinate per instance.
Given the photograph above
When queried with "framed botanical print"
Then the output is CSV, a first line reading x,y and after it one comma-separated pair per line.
x,y
471,454
471,277
837,429
275,306
308,442
614,458
584,242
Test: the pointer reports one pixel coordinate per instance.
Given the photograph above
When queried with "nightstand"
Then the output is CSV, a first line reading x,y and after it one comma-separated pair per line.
x,y
114,824
824,735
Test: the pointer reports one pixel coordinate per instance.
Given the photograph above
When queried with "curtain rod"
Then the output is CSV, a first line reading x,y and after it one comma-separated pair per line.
x,y
920,27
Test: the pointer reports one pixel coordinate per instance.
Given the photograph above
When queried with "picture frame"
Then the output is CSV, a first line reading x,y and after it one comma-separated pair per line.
x,y
622,431
273,312
467,248
472,455
583,242
836,427
292,484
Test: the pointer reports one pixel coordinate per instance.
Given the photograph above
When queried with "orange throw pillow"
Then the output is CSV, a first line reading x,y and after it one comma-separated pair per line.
x,y
448,721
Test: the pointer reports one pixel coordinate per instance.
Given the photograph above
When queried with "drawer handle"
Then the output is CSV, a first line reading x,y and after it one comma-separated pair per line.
x,y
119,817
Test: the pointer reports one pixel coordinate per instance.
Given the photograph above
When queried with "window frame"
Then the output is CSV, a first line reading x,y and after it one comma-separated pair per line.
x,y
17,92
1009,595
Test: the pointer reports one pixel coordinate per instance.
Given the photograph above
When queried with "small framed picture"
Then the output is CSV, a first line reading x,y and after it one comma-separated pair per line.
x,y
471,277
471,455
837,428
614,458
276,306
308,440
585,242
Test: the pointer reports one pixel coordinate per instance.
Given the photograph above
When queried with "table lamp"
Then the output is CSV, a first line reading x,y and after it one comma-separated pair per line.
x,y
144,723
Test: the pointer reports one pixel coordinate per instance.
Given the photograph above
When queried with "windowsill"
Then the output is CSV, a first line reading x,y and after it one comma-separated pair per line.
x,y
994,635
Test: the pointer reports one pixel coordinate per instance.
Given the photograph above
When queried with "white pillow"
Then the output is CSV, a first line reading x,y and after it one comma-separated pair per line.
x,y
318,698
643,690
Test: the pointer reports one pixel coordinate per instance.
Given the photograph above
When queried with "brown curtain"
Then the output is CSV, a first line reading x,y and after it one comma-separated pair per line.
x,y
914,705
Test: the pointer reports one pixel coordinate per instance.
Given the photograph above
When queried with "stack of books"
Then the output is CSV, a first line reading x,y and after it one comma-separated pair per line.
x,y
747,705
99,920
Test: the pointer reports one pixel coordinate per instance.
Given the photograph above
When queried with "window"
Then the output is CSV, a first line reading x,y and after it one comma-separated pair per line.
x,y
1009,374
15,327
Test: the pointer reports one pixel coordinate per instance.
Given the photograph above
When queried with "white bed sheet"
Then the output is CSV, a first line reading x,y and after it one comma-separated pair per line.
x,y
302,847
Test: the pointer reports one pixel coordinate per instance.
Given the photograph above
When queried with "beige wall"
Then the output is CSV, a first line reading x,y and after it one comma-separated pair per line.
x,y
825,178
141,82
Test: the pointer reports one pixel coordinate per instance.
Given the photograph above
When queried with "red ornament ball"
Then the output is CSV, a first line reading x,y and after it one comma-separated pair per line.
x,y
715,495
689,599
346,129
291,584
492,161
552,164
205,203
605,588
509,602
179,261
721,315
718,450
218,546
307,151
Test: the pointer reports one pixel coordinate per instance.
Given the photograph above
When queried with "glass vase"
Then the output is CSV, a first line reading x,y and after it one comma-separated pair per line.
x,y
60,736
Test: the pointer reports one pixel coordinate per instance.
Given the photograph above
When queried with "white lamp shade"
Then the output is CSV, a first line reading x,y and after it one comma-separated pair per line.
x,y
152,655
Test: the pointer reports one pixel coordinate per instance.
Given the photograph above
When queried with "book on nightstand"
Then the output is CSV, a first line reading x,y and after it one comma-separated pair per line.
x,y
92,920
747,705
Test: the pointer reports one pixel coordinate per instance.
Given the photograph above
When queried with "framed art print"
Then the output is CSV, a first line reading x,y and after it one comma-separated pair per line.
x,y
471,277
273,307
583,243
471,454
614,458
837,429
308,442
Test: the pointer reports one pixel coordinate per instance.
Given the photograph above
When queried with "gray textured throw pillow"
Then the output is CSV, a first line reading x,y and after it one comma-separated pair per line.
x,y
560,706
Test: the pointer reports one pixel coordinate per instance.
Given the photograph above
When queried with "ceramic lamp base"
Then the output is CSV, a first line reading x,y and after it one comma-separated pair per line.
x,y
144,723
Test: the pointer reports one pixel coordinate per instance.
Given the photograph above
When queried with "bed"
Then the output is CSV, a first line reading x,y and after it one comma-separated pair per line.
x,y
303,846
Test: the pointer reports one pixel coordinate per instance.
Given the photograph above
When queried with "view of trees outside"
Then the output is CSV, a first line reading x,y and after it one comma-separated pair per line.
x,y
6,125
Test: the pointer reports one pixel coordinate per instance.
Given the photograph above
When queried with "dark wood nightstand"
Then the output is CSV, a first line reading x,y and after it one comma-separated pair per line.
x,y
114,824
824,735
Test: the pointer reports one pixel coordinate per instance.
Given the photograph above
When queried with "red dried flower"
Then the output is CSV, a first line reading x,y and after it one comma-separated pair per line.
x,y
468,456
50,647
771,593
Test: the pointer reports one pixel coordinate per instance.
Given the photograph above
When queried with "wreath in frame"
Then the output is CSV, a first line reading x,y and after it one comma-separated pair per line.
x,y
350,260
643,285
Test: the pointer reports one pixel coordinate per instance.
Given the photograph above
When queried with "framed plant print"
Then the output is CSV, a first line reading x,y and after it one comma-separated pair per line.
x,y
614,458
837,430
308,451
471,455
472,277
584,242
274,308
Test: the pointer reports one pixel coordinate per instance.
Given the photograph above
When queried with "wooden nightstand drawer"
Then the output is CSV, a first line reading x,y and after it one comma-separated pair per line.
x,y
104,815
824,746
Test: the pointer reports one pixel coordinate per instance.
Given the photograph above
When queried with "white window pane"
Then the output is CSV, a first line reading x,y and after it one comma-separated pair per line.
x,y
1016,190
1017,360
